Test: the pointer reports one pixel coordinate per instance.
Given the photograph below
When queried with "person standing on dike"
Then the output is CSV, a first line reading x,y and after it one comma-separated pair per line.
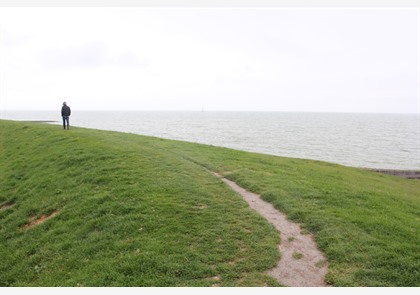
x,y
65,113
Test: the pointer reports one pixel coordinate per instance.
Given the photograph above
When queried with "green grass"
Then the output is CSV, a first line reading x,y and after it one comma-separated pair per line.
x,y
143,211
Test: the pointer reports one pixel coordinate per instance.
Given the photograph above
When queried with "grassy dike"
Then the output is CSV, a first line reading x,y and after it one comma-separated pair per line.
x,y
130,210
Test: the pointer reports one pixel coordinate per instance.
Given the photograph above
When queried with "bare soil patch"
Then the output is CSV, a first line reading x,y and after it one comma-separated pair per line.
x,y
6,206
301,264
33,221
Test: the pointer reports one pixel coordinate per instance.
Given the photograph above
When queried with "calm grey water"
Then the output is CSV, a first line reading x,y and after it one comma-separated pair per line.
x,y
388,141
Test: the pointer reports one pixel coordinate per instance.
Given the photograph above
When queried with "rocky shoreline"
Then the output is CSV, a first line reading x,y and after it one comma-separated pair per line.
x,y
410,174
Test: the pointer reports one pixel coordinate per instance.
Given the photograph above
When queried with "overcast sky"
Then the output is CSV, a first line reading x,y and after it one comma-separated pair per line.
x,y
242,59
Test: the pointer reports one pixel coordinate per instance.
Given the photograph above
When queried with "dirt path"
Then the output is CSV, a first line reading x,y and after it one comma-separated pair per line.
x,y
301,263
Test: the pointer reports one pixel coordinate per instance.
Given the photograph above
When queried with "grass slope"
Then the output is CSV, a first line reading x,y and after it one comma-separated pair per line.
x,y
142,211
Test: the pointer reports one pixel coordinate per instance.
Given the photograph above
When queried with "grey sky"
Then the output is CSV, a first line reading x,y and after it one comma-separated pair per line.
x,y
245,59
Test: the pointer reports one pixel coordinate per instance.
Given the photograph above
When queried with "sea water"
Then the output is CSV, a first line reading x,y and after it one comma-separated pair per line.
x,y
382,141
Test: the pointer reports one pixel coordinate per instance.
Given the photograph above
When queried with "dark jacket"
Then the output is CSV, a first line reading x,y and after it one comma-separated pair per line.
x,y
65,111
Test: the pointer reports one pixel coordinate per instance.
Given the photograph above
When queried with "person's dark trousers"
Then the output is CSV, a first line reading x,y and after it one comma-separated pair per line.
x,y
66,121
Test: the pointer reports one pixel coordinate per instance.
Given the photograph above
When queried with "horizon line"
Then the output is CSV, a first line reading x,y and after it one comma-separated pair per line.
x,y
209,111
